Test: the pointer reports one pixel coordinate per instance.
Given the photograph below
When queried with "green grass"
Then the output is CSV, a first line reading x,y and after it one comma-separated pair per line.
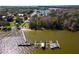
x,y
69,41
25,24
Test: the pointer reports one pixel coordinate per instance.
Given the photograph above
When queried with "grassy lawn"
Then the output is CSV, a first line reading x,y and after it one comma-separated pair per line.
x,y
69,41
25,24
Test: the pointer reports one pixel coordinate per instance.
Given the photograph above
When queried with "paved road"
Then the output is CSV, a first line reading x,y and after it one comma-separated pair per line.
x,y
9,44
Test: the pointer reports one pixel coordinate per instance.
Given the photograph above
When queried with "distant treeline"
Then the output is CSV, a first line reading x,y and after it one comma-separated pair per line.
x,y
41,7
48,22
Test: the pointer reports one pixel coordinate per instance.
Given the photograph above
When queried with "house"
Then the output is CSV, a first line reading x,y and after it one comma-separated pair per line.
x,y
40,12
20,14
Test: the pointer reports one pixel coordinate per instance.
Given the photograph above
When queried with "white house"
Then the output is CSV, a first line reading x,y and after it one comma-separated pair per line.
x,y
40,12
20,14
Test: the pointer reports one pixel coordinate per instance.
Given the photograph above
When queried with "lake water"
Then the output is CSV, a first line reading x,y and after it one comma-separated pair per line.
x,y
68,40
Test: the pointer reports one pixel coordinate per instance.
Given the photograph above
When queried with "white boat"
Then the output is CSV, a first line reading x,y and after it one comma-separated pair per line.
x,y
54,45
42,45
